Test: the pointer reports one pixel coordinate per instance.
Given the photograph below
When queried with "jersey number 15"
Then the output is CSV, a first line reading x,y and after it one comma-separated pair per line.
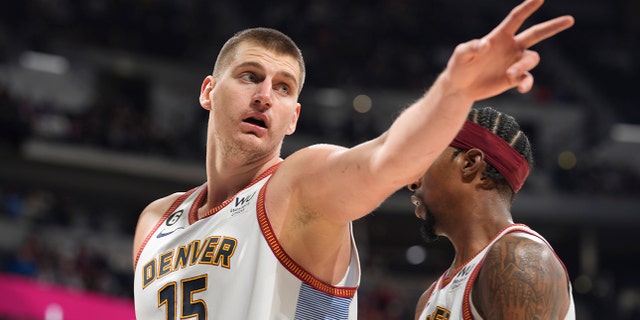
x,y
168,296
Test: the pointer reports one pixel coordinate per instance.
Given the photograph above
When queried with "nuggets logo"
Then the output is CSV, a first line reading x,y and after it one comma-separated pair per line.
x,y
440,314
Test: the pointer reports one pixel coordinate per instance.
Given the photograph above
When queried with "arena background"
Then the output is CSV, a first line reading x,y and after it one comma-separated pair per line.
x,y
99,116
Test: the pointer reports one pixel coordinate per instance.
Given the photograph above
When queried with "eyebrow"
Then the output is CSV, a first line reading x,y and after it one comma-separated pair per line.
x,y
254,64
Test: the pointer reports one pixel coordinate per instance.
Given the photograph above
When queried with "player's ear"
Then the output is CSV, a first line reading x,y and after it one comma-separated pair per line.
x,y
205,92
473,161
294,119
475,165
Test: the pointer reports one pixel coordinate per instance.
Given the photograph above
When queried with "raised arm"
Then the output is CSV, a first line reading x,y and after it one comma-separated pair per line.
x,y
345,184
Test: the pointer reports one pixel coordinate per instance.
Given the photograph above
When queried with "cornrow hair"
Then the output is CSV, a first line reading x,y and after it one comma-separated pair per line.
x,y
505,127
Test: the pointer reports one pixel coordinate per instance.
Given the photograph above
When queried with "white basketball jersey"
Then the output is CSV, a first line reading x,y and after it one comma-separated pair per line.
x,y
450,299
229,265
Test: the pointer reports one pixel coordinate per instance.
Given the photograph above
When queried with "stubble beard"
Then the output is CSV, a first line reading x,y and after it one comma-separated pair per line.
x,y
246,152
241,152
427,229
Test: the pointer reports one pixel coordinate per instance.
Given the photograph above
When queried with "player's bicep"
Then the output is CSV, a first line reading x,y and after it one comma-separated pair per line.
x,y
338,183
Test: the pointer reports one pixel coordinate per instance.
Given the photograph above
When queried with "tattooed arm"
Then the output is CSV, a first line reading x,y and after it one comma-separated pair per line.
x,y
521,278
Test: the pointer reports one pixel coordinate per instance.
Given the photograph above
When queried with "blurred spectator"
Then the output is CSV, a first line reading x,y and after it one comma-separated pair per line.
x,y
25,261
14,128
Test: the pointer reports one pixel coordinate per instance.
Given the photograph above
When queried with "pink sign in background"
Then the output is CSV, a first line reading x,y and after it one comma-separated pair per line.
x,y
25,298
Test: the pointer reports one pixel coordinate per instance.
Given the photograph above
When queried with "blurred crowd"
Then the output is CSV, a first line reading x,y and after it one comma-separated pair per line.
x,y
47,247
117,124
389,44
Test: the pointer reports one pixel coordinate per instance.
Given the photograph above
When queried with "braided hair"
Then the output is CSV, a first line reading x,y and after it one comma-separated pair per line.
x,y
505,127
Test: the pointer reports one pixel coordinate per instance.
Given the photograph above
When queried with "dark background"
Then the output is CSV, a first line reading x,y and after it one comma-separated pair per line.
x,y
108,120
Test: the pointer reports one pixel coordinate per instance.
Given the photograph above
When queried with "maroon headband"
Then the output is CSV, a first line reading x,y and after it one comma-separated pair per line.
x,y
511,164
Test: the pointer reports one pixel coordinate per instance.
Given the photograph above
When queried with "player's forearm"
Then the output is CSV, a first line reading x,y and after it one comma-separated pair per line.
x,y
426,128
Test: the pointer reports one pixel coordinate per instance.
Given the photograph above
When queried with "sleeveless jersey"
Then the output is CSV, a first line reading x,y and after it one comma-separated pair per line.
x,y
229,265
450,299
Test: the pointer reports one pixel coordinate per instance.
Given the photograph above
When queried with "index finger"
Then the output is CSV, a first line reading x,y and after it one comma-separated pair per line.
x,y
518,15
544,30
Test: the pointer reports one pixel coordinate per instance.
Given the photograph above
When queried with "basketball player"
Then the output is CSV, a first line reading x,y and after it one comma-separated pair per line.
x,y
501,270
267,238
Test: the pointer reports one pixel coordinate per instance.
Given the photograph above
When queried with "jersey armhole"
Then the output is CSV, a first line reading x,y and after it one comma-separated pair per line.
x,y
170,210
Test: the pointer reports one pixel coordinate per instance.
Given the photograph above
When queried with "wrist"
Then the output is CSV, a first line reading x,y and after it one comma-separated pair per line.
x,y
447,89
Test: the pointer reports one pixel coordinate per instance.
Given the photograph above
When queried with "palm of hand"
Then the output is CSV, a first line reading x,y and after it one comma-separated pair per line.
x,y
482,68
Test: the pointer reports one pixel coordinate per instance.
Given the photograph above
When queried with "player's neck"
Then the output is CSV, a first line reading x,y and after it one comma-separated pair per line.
x,y
224,180
468,242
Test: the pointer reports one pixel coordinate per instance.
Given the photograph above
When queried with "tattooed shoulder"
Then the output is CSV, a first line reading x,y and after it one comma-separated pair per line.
x,y
521,278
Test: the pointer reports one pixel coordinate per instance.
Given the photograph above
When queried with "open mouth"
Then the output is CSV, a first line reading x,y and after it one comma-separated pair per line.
x,y
256,122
